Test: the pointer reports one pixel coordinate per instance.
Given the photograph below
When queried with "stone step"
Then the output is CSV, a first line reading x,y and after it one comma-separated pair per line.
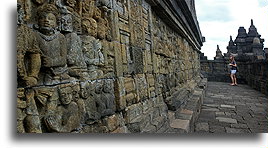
x,y
183,119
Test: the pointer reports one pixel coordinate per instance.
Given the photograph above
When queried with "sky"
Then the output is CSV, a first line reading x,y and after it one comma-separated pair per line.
x,y
218,19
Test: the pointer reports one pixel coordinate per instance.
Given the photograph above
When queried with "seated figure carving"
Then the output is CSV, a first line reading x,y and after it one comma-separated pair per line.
x,y
92,48
79,101
75,59
86,91
53,46
108,98
66,116
102,91
101,24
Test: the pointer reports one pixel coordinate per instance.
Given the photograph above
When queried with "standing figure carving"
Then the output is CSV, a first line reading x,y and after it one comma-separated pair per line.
x,y
28,67
28,53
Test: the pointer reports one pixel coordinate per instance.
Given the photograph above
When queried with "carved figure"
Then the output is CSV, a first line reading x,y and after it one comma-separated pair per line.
x,y
28,63
32,120
28,53
75,59
53,46
88,8
108,98
90,101
92,49
79,101
102,23
66,117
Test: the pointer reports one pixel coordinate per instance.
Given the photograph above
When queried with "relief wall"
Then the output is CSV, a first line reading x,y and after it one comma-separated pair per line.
x,y
99,66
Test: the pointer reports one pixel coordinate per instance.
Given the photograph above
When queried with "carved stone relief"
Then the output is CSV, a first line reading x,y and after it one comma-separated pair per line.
x,y
96,66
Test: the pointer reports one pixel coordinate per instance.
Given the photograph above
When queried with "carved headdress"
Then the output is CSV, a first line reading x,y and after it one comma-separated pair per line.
x,y
47,8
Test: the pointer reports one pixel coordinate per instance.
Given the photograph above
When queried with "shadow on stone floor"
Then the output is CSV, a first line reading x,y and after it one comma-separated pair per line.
x,y
130,137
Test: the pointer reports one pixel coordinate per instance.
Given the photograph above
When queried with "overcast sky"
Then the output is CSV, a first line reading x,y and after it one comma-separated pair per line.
x,y
218,19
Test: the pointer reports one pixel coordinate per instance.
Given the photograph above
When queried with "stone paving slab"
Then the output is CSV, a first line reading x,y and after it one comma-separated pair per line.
x,y
232,109
180,124
242,126
204,127
227,120
236,130
227,106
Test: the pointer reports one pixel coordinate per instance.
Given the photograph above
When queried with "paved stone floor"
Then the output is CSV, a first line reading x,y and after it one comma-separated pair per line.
x,y
232,109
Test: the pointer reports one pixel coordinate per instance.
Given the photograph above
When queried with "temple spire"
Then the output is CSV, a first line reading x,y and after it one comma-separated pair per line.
x,y
253,30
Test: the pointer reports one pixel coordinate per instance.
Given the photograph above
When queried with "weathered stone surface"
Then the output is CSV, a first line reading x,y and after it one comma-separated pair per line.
x,y
236,130
227,120
181,124
227,106
233,118
203,126
241,126
107,66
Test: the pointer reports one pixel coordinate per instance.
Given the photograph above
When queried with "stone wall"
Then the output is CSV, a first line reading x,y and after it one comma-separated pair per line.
x,y
106,66
255,74
215,70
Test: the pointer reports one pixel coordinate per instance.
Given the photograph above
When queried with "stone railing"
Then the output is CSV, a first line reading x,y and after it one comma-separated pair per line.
x,y
250,71
106,66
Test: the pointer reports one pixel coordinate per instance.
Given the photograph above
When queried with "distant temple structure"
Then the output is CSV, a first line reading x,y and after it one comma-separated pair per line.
x,y
219,55
250,55
246,44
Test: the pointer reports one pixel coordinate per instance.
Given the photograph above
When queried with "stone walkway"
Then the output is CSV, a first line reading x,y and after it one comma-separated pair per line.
x,y
232,109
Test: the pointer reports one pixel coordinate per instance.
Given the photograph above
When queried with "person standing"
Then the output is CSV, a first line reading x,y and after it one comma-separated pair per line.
x,y
233,71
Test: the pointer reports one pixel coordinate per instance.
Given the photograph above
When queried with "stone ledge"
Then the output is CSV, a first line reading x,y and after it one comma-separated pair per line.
x,y
183,119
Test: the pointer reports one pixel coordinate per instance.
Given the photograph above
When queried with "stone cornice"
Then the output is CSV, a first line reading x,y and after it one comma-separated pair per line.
x,y
178,15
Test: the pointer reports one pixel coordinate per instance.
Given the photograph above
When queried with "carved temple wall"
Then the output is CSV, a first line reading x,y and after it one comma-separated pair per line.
x,y
105,66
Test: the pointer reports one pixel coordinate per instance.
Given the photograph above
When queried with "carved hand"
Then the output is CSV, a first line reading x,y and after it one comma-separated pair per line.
x,y
52,123
47,61
30,81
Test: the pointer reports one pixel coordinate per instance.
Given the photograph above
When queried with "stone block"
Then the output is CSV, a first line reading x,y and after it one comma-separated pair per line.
x,y
130,98
203,126
236,130
137,64
133,113
129,85
120,130
118,60
141,86
181,124
177,99
120,92
227,106
147,105
124,54
227,120
111,122
240,126
150,80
